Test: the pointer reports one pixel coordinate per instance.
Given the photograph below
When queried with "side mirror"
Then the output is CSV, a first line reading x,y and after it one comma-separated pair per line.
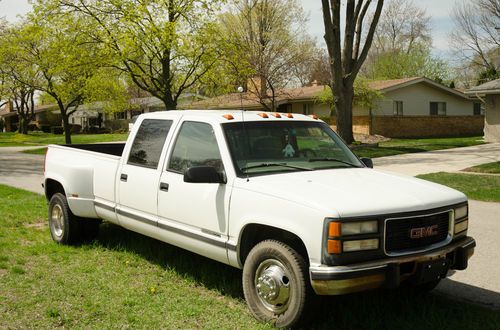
x,y
367,161
203,174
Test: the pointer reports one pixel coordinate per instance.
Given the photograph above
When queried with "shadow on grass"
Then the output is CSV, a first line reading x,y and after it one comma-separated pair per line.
x,y
381,309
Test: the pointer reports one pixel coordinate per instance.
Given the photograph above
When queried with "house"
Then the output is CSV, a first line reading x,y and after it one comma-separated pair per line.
x,y
44,115
489,93
409,107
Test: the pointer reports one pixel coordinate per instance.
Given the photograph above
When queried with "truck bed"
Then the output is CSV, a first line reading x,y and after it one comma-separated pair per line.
x,y
115,149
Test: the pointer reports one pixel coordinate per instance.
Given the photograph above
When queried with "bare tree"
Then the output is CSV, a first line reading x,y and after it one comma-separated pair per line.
x,y
476,37
401,27
346,60
268,41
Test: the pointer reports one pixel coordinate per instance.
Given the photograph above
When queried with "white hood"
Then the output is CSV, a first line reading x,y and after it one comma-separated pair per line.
x,y
354,191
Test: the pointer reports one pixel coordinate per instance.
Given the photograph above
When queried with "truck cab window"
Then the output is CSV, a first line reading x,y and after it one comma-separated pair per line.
x,y
148,143
196,145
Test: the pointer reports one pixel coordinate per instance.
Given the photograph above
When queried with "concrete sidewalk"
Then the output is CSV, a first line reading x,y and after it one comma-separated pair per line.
x,y
448,160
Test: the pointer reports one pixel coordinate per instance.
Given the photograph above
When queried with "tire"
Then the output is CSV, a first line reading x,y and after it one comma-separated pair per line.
x,y
64,225
276,284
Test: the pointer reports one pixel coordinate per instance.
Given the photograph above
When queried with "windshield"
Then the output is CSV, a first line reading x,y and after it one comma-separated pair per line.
x,y
261,147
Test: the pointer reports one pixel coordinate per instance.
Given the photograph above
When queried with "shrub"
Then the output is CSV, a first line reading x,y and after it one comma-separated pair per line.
x,y
56,130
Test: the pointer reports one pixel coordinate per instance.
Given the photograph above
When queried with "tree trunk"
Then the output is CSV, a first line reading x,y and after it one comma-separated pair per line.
x,y
170,103
23,126
343,107
67,129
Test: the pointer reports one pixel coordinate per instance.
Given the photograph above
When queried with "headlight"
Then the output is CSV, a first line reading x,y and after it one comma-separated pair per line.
x,y
461,212
359,245
461,226
361,227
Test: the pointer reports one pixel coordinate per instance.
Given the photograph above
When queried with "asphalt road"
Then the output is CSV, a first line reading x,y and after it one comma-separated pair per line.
x,y
480,283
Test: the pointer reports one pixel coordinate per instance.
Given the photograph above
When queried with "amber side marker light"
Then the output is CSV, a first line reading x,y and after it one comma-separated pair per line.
x,y
289,115
228,116
334,229
277,115
263,115
313,116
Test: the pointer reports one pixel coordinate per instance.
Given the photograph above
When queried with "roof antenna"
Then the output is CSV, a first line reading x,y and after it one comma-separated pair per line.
x,y
240,90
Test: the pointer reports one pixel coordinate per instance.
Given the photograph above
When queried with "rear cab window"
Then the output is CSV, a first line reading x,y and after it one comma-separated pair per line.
x,y
148,143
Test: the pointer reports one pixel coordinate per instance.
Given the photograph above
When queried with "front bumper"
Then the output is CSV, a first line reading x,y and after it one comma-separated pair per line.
x,y
390,272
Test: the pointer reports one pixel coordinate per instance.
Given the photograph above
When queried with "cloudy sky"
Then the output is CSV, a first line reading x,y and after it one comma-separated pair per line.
x,y
439,11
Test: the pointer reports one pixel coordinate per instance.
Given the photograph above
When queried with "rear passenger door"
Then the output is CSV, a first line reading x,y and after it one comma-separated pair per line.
x,y
139,175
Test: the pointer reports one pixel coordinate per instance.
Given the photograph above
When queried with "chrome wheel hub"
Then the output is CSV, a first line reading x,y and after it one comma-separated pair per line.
x,y
57,220
272,282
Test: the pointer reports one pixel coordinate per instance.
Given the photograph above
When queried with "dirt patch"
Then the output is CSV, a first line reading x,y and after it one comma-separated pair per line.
x,y
370,139
37,225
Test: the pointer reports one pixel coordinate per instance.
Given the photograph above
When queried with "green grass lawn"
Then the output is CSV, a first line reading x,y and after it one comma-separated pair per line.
x,y
403,146
492,168
479,187
126,280
38,138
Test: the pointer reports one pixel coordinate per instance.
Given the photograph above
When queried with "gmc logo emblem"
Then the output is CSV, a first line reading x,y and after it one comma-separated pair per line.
x,y
422,232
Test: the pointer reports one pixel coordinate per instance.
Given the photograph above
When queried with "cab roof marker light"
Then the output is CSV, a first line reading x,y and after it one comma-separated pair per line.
x,y
277,115
313,116
289,115
228,116
263,115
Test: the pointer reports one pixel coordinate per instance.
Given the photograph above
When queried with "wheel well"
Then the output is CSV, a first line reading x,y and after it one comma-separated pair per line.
x,y
256,233
52,187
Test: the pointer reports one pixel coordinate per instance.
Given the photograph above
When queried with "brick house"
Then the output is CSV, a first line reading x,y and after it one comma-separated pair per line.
x,y
489,93
410,107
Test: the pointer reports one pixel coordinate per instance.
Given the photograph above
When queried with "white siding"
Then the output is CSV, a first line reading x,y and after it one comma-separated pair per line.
x,y
416,101
492,119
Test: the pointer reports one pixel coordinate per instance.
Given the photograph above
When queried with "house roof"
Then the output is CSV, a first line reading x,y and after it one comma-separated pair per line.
x,y
309,93
491,87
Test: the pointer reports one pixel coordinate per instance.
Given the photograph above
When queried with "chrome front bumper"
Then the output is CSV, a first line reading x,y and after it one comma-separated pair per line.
x,y
389,272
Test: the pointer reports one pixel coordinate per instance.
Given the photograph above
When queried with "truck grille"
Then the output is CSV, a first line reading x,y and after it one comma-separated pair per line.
x,y
416,232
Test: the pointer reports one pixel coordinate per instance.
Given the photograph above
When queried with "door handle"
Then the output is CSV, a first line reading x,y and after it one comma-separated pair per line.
x,y
163,186
123,177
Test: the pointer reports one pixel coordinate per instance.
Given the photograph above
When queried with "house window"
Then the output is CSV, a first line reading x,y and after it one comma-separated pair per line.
x,y
287,107
397,107
438,108
121,115
477,109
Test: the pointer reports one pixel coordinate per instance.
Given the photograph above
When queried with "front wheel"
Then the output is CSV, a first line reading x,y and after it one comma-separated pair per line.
x,y
275,283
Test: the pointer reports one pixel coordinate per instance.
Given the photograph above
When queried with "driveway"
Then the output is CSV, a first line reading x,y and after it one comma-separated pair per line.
x,y
448,160
21,170
480,283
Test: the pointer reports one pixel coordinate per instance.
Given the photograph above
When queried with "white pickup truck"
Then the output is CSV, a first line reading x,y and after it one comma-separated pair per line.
x,y
278,195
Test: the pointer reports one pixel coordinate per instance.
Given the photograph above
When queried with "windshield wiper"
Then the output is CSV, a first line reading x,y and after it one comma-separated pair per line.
x,y
276,164
329,159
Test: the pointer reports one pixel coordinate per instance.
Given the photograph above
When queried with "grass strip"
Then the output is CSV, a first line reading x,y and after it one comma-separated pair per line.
x,y
404,146
491,168
479,187
38,138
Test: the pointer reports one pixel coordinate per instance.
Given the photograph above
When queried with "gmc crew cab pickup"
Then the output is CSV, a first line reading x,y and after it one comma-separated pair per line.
x,y
278,195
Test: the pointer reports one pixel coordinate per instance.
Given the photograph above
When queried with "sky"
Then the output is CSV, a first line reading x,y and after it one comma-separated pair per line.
x,y
439,10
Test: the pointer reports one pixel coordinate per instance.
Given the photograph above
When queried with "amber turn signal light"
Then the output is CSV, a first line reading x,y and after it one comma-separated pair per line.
x,y
334,246
228,116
